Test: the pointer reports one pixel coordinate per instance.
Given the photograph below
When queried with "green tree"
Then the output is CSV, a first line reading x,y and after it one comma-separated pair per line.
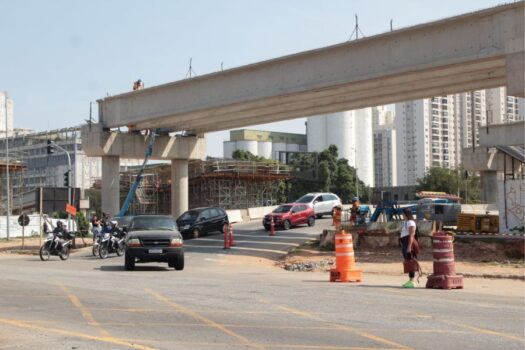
x,y
450,181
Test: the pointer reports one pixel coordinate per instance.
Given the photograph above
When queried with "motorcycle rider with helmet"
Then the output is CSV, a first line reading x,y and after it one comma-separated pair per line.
x,y
60,234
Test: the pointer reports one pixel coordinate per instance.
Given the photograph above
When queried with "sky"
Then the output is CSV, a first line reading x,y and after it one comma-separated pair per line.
x,y
58,56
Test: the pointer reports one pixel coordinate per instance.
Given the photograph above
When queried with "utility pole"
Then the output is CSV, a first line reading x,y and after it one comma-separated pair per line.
x,y
8,185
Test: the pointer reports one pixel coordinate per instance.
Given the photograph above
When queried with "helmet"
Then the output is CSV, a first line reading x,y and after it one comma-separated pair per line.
x,y
355,199
114,222
59,223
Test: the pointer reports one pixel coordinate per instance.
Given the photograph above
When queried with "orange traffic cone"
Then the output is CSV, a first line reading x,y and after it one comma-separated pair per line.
x,y
345,270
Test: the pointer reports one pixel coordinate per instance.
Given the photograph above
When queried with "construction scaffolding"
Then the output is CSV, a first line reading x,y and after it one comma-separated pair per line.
x,y
146,199
235,184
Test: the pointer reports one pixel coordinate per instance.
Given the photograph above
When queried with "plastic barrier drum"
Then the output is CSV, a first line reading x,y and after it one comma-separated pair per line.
x,y
444,275
345,270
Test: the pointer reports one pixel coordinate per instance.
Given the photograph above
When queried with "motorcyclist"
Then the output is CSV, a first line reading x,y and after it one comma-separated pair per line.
x,y
115,231
60,233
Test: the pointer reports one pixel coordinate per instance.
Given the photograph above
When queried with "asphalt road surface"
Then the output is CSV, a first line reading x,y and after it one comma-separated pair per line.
x,y
234,299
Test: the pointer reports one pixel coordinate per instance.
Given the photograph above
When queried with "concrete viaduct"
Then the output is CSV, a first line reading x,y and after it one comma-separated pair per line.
x,y
478,50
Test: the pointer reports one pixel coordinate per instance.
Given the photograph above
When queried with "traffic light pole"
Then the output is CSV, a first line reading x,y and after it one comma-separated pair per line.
x,y
69,181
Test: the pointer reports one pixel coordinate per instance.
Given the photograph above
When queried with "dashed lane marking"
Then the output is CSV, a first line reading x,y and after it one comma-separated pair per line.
x,y
84,311
359,332
55,330
484,330
203,319
249,242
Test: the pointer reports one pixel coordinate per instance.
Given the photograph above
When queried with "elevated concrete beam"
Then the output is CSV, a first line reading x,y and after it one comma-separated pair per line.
x,y
99,143
473,51
510,134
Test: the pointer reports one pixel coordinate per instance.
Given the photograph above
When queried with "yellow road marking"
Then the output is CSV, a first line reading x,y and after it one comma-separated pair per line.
x,y
84,311
484,331
110,340
203,319
483,305
343,327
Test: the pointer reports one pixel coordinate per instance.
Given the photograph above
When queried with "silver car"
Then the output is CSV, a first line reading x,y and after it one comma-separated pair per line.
x,y
323,203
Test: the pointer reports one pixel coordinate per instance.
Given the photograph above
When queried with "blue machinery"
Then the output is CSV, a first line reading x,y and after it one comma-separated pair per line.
x,y
138,179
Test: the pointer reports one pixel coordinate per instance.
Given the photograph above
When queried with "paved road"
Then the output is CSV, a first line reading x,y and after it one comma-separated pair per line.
x,y
233,300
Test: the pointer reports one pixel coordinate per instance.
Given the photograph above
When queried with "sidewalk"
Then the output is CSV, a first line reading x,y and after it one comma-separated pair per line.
x,y
31,243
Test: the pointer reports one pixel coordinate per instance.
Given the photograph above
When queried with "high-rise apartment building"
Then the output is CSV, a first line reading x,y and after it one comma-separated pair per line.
x,y
384,134
427,135
351,132
433,131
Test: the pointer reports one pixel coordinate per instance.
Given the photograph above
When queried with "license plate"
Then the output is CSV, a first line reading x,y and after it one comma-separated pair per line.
x,y
155,251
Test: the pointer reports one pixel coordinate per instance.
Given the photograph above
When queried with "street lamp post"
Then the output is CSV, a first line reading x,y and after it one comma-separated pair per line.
x,y
8,185
69,181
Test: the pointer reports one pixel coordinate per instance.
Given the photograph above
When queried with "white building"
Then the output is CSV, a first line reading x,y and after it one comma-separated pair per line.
x,y
427,135
433,131
385,158
351,132
6,111
267,144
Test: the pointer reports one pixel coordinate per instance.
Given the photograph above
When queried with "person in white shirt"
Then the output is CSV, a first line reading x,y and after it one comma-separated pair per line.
x,y
408,233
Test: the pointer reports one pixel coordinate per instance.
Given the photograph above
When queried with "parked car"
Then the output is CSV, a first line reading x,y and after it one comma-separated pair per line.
x,y
201,221
289,215
154,238
322,203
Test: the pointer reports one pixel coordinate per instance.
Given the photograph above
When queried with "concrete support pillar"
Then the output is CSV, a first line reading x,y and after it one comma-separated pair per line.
x,y
489,187
515,67
110,185
179,186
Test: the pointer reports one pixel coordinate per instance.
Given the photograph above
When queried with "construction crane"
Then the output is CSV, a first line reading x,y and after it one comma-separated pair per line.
x,y
133,189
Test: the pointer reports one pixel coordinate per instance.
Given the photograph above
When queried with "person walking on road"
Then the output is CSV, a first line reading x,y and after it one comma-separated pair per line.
x,y
409,244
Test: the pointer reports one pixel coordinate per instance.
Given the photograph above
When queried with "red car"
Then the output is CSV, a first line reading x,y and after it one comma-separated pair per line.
x,y
288,215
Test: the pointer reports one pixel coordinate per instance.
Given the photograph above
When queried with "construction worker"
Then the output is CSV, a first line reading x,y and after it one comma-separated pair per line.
x,y
138,85
354,211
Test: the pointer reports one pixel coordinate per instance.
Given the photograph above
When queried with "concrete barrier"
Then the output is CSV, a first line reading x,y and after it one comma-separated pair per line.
x,y
260,212
234,215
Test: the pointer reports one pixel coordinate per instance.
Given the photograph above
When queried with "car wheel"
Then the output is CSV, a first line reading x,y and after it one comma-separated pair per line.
x,y
287,225
224,226
267,227
311,221
195,233
129,262
178,262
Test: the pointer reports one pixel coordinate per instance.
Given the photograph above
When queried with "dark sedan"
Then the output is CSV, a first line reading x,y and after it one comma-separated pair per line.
x,y
154,238
201,221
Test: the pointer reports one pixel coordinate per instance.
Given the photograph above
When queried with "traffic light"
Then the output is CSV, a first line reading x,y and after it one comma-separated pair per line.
x,y
50,148
66,178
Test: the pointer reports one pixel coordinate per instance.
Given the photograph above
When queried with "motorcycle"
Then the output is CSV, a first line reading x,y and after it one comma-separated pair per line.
x,y
111,243
52,246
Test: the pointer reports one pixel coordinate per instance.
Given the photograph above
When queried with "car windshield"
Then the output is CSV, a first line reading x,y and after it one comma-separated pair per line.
x,y
123,221
153,223
189,216
305,199
283,209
